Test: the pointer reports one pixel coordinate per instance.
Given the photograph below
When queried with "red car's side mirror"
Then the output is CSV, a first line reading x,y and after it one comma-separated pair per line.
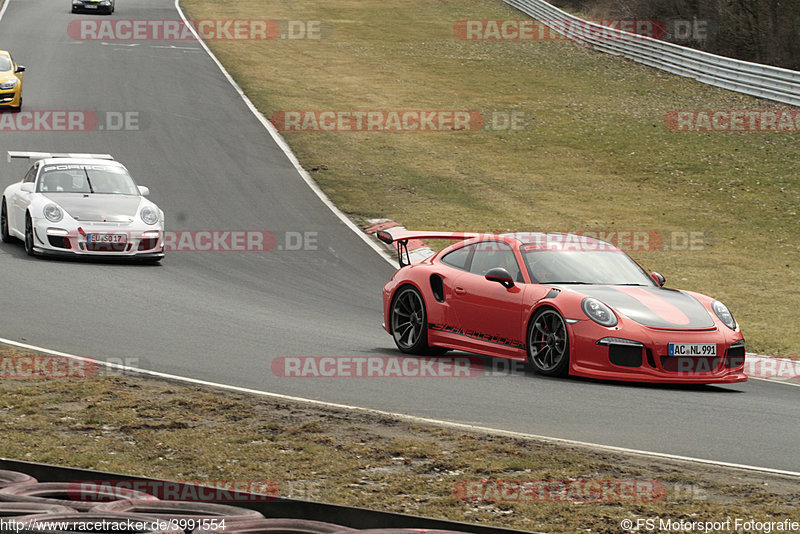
x,y
498,274
658,279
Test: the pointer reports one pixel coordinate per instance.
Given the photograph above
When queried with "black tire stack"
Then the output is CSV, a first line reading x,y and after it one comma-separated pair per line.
x,y
25,504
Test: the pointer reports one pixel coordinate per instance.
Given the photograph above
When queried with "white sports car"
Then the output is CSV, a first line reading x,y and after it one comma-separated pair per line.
x,y
81,204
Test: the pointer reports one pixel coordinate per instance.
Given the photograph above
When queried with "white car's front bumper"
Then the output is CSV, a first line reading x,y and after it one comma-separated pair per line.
x,y
89,239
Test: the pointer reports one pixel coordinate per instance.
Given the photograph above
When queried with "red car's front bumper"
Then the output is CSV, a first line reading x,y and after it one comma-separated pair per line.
x,y
649,361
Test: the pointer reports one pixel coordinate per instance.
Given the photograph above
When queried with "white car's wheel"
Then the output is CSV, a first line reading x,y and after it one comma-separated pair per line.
x,y
4,234
28,235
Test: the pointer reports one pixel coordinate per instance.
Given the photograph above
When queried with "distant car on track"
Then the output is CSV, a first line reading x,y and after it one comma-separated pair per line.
x,y
93,6
81,205
567,304
10,82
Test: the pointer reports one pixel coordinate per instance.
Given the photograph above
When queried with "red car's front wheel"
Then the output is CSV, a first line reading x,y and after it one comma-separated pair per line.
x,y
548,343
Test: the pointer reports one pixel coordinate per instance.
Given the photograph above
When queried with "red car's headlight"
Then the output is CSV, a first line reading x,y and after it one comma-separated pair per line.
x,y
724,314
598,312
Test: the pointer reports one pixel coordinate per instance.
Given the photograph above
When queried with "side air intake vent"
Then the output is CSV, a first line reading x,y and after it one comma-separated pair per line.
x,y
437,287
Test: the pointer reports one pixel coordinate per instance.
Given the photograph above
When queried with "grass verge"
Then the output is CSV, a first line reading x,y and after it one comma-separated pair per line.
x,y
166,430
594,155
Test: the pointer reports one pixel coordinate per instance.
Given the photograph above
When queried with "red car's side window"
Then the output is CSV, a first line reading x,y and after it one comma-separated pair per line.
x,y
491,254
459,258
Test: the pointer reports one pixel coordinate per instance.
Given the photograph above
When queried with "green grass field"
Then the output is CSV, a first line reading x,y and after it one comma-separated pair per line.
x,y
595,153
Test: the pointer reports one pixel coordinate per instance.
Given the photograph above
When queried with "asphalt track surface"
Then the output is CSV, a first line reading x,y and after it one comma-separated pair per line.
x,y
225,316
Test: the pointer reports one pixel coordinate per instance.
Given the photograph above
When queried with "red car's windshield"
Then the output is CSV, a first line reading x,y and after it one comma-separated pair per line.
x,y
609,267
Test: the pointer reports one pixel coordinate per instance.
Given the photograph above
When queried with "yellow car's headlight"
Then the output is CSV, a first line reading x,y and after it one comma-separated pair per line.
x,y
10,84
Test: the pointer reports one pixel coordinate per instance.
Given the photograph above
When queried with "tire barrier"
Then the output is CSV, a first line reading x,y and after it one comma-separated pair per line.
x,y
33,505
82,498
12,478
281,526
64,493
407,531
284,526
17,509
233,515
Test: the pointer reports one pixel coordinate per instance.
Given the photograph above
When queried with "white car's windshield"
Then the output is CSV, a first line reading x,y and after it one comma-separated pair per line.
x,y
86,178
585,267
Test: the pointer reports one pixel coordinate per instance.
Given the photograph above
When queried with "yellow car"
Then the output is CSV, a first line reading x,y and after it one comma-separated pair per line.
x,y
10,82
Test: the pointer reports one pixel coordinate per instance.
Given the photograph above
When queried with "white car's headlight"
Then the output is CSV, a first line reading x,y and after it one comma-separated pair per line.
x,y
149,215
53,213
724,314
10,84
598,312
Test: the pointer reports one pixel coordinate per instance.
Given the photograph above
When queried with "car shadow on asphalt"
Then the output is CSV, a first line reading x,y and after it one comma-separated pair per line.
x,y
492,367
17,250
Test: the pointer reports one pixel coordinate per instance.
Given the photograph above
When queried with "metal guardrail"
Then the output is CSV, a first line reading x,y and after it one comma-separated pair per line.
x,y
763,81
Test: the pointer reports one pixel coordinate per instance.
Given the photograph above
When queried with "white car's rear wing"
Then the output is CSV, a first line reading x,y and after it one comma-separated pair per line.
x,y
43,155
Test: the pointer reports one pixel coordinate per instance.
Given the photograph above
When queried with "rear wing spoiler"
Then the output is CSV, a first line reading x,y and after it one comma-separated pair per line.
x,y
400,239
44,155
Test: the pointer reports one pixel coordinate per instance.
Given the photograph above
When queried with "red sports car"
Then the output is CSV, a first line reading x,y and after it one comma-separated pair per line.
x,y
567,304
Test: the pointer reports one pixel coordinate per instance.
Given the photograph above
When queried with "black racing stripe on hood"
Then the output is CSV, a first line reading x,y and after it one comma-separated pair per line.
x,y
642,304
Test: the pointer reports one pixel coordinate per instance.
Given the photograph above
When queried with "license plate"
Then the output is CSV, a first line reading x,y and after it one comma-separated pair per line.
x,y
106,238
89,6
692,349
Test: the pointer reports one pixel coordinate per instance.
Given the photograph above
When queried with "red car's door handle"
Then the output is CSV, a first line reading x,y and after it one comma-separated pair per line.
x,y
460,290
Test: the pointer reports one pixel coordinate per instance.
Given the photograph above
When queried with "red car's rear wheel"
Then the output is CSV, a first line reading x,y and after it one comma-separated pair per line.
x,y
409,321
548,343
